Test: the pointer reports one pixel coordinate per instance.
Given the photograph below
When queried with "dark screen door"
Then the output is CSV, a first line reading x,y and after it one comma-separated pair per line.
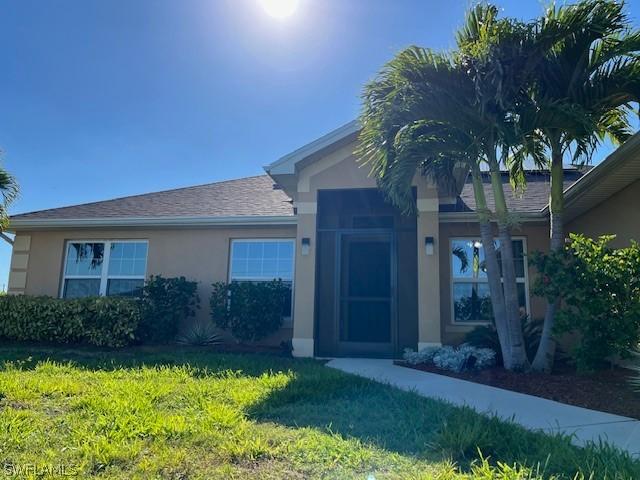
x,y
365,294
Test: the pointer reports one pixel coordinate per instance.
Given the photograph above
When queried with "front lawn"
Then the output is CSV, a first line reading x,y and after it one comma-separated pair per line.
x,y
185,414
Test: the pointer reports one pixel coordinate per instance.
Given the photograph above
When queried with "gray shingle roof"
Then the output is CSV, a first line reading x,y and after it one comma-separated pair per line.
x,y
534,199
251,196
257,197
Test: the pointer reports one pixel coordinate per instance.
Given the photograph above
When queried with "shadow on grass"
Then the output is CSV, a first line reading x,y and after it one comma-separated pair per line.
x,y
424,428
356,408
204,360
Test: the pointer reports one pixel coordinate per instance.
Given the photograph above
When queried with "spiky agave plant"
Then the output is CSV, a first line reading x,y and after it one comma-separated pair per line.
x,y
201,335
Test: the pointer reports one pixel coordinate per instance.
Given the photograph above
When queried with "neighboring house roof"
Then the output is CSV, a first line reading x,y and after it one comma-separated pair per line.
x,y
533,200
251,200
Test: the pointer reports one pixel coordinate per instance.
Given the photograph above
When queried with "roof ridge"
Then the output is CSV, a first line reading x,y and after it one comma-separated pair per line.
x,y
137,195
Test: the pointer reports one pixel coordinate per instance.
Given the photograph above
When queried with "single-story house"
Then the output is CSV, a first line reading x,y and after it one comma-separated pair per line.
x,y
364,279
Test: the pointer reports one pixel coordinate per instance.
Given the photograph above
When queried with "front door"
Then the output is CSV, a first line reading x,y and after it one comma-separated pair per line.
x,y
365,294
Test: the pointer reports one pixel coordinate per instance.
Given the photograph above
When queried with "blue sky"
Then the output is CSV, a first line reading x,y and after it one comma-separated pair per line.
x,y
101,99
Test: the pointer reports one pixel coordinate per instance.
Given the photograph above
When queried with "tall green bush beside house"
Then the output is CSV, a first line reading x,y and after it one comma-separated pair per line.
x,y
249,310
600,288
166,304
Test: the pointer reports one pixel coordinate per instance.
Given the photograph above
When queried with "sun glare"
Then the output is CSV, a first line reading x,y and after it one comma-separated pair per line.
x,y
279,8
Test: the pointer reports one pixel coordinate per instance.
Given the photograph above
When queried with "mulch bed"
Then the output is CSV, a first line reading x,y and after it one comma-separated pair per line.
x,y
605,390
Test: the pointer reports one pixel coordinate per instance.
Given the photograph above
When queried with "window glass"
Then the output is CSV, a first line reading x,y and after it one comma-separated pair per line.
x,y
261,260
128,259
264,260
84,259
81,287
472,302
87,274
470,288
125,287
467,259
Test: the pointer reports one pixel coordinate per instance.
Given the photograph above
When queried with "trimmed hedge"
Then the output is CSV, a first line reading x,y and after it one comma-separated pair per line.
x,y
99,321
166,304
250,310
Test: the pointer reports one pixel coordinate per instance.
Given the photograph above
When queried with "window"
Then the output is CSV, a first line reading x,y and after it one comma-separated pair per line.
x,y
470,288
262,261
104,268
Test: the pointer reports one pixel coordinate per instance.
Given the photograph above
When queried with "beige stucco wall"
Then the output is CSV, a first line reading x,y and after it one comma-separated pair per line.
x,y
200,254
336,170
339,169
619,214
536,239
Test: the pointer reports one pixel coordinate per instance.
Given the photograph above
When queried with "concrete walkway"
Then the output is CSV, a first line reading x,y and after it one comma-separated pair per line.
x,y
534,413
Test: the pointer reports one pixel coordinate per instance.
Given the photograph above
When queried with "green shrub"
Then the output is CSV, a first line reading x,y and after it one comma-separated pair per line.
x,y
250,310
100,321
486,336
600,288
166,304
110,321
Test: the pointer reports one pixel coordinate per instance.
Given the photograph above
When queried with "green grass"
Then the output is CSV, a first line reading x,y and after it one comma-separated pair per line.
x,y
186,414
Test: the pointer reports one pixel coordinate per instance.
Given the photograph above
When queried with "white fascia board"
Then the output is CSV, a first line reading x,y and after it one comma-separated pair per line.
x,y
41,223
287,165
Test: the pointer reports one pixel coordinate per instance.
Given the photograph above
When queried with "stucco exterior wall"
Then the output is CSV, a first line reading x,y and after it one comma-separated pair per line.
x,y
537,239
200,254
335,170
619,214
339,169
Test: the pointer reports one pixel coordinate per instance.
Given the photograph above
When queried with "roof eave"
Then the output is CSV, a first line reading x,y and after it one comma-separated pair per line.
x,y
198,221
287,165
589,179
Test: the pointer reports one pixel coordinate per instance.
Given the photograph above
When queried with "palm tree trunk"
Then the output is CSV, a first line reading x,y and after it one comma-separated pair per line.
x,y
519,360
543,361
493,270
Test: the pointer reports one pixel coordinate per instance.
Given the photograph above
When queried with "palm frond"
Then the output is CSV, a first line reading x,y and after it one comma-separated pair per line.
x,y
8,193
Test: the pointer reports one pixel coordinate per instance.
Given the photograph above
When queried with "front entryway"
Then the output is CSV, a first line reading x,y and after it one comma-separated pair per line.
x,y
365,291
366,276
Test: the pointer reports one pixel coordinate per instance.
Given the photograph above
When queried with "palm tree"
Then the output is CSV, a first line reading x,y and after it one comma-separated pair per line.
x,y
582,92
423,112
8,193
446,155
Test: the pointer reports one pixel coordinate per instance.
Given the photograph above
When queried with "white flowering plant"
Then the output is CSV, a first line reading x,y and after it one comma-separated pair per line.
x,y
455,359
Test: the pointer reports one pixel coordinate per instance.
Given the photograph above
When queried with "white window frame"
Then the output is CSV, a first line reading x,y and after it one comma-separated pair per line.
x,y
104,275
452,279
286,321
